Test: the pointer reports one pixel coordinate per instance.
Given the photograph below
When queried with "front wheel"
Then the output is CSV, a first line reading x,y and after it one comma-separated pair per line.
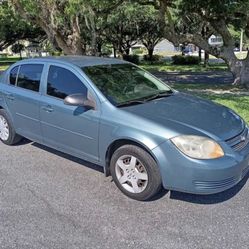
x,y
135,172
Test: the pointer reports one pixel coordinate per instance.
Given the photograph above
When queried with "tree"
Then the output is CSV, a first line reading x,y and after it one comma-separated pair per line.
x,y
17,49
66,23
149,31
195,20
123,27
131,23
14,28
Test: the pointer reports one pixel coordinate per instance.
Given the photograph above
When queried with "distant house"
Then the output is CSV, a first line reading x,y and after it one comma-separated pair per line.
x,y
30,50
215,41
165,46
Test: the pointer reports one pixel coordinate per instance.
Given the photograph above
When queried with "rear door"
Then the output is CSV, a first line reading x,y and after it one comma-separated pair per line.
x,y
23,99
71,129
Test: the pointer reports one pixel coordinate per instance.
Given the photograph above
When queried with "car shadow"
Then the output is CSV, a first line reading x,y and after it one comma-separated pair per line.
x,y
210,199
23,141
69,157
175,195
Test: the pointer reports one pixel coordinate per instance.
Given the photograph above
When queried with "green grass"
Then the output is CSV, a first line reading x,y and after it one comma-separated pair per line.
x,y
167,67
9,59
2,68
230,96
6,62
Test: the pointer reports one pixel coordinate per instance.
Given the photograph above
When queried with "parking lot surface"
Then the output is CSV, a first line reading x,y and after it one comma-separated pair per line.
x,y
51,200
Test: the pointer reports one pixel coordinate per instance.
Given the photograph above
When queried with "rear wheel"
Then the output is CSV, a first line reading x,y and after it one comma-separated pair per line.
x,y
135,172
7,132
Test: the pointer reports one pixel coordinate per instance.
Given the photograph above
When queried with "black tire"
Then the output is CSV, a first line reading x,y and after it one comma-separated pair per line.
x,y
154,182
13,137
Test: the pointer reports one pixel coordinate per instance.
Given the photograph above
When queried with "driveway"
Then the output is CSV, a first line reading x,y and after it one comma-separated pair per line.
x,y
50,200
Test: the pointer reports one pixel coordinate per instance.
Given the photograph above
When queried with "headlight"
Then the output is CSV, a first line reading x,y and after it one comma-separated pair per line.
x,y
198,147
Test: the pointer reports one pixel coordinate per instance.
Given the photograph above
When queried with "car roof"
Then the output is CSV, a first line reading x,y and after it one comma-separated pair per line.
x,y
80,61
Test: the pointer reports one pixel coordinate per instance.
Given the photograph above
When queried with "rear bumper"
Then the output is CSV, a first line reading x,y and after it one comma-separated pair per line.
x,y
184,174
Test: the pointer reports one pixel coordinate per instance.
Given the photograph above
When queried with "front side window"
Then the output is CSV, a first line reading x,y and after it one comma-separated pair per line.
x,y
29,77
13,75
62,82
122,83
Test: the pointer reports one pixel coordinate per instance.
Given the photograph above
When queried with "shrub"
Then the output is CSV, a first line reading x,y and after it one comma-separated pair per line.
x,y
56,53
155,58
131,58
185,60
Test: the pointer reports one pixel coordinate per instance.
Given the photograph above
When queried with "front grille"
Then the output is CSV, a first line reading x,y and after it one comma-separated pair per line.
x,y
240,141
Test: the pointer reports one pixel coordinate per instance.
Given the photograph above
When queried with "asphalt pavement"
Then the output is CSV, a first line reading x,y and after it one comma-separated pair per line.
x,y
51,200
209,78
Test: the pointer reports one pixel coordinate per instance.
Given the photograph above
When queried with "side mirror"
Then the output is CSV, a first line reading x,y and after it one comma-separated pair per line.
x,y
79,100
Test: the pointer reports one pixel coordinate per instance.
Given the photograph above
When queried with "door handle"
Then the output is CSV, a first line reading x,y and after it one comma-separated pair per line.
x,y
47,108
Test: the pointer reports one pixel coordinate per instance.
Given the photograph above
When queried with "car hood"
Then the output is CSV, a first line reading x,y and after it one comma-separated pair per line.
x,y
187,111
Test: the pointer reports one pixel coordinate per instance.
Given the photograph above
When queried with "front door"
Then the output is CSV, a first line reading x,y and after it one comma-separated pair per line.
x,y
71,129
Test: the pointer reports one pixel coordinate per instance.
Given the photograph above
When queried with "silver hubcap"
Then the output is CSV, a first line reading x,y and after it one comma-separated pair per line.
x,y
131,174
4,129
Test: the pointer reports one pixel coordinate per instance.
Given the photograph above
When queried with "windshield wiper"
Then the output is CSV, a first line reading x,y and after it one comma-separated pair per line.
x,y
129,103
158,95
146,99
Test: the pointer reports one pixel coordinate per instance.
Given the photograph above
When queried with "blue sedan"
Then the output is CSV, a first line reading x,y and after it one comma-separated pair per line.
x,y
115,114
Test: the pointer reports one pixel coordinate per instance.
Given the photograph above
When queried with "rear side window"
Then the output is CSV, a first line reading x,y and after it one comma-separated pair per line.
x,y
13,75
29,77
62,82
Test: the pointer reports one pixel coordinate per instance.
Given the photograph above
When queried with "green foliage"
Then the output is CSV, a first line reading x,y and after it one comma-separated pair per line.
x,y
154,58
14,28
185,60
131,58
17,48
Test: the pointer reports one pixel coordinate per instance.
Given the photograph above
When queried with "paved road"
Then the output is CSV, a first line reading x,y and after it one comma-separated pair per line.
x,y
50,200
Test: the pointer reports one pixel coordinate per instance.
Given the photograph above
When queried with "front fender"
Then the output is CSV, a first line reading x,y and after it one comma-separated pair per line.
x,y
113,134
2,101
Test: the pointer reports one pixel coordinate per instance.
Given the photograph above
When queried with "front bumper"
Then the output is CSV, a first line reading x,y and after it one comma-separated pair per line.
x,y
185,174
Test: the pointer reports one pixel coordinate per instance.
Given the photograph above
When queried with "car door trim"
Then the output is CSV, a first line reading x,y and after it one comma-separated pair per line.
x,y
72,132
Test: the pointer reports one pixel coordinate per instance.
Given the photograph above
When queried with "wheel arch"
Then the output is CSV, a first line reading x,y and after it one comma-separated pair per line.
x,y
117,144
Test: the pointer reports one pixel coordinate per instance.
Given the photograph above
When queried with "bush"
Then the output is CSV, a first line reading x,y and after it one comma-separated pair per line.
x,y
56,53
131,58
155,58
185,60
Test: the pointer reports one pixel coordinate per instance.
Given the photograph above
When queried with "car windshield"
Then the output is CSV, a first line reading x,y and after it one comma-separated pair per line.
x,y
125,83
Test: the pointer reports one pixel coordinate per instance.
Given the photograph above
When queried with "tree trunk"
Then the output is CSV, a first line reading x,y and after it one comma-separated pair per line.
x,y
114,51
71,47
94,43
99,48
200,54
127,51
206,59
240,71
150,53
